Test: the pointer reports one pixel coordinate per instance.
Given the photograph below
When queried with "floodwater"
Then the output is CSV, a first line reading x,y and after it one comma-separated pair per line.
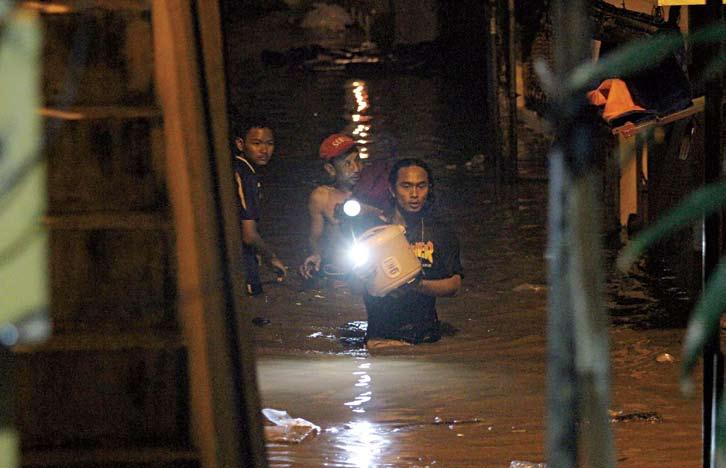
x,y
477,397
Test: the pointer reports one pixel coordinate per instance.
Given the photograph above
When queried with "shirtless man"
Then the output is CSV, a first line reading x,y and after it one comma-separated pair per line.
x,y
341,161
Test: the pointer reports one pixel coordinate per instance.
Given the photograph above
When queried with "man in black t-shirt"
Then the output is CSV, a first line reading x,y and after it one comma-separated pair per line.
x,y
254,144
409,313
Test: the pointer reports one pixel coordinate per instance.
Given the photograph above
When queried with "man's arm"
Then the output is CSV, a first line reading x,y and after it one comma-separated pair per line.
x,y
449,259
247,187
446,287
251,236
316,204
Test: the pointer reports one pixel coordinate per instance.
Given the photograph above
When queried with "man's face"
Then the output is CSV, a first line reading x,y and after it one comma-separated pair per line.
x,y
257,146
347,169
412,188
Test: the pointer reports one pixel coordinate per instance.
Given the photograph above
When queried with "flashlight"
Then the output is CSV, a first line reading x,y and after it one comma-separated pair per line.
x,y
358,255
351,207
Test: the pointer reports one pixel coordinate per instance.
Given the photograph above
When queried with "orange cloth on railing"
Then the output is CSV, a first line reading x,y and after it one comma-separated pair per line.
x,y
613,93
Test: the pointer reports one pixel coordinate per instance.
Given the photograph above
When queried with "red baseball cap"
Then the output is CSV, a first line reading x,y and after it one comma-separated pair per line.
x,y
335,145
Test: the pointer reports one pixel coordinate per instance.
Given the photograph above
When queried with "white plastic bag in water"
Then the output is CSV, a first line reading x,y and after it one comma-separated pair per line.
x,y
526,464
287,429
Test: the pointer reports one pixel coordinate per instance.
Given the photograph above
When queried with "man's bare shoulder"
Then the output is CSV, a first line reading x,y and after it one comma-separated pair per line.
x,y
320,200
320,195
324,199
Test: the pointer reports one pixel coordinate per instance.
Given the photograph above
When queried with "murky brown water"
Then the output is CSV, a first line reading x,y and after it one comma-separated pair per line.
x,y
476,398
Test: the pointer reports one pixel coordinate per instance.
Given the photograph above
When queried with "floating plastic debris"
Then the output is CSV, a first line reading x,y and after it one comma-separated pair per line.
x,y
476,163
286,428
530,287
665,357
526,464
647,416
260,321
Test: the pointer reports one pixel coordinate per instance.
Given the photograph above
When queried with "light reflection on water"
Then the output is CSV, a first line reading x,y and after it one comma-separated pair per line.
x,y
360,123
362,442
364,381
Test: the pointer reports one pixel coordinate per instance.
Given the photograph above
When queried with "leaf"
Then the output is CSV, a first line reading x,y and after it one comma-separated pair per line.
x,y
23,257
639,55
634,56
704,322
700,203
712,70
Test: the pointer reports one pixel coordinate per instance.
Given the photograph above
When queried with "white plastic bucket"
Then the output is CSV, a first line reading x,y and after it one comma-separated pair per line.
x,y
392,258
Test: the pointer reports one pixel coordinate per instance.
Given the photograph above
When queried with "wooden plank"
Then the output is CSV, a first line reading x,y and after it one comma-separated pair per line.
x,y
209,17
106,456
630,129
108,220
104,342
226,428
682,2
63,7
103,399
101,112
113,280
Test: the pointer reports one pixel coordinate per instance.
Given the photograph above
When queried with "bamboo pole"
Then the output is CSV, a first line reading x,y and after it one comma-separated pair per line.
x,y
578,349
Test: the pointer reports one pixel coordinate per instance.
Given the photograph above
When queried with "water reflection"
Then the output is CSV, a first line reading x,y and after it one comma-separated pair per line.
x,y
363,442
359,122
363,381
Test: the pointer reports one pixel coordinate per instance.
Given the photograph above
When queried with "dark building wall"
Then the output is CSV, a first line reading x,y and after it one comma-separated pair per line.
x,y
463,36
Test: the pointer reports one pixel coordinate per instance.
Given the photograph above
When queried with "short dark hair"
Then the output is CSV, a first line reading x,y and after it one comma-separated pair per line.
x,y
241,124
409,162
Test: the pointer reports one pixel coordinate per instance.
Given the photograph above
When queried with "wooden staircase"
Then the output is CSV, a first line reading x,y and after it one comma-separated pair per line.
x,y
110,388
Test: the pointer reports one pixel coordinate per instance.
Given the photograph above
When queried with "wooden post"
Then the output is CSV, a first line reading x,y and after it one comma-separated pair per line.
x,y
501,95
507,88
191,87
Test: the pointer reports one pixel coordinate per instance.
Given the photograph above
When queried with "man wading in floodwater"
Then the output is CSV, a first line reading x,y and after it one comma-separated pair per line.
x,y
409,313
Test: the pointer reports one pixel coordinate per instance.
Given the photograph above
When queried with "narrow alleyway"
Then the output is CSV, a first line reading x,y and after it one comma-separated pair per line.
x,y
476,398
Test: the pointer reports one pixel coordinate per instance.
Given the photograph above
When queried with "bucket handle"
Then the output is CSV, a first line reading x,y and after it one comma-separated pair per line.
x,y
375,230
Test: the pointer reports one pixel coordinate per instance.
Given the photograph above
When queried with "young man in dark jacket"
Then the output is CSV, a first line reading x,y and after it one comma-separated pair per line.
x,y
254,143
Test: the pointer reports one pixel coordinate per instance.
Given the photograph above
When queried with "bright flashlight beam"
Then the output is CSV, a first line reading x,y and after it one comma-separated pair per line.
x,y
351,208
358,255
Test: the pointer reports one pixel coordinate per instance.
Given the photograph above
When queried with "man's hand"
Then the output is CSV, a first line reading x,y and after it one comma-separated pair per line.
x,y
310,266
413,285
279,267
